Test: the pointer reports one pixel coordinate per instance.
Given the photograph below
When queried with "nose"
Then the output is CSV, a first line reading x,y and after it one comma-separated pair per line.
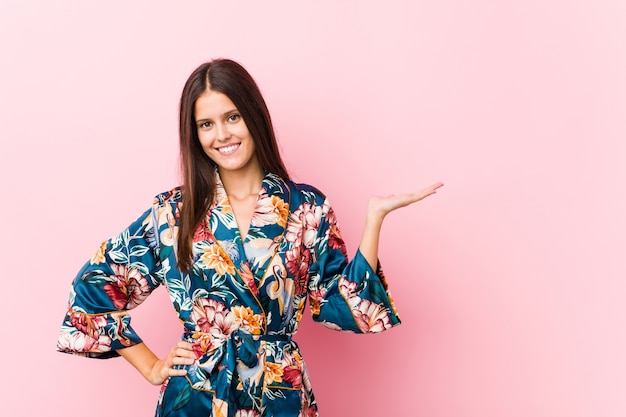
x,y
221,132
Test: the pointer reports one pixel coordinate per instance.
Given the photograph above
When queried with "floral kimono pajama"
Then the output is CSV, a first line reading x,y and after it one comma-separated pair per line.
x,y
239,305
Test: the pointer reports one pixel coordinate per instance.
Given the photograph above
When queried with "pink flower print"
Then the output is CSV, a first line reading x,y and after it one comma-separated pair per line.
x,y
294,229
205,311
202,233
223,324
89,336
81,342
87,324
347,288
247,413
246,274
304,224
335,241
299,267
309,412
128,288
371,317
292,370
312,216
293,376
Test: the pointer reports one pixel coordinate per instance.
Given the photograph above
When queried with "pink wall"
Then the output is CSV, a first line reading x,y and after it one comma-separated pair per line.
x,y
510,282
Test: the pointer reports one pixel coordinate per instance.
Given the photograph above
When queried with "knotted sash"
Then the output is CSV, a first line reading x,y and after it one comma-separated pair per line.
x,y
216,370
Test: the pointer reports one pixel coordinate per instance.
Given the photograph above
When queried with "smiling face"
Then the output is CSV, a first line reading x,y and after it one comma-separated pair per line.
x,y
224,135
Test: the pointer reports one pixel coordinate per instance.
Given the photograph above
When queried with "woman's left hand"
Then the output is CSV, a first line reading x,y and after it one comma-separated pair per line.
x,y
381,206
377,209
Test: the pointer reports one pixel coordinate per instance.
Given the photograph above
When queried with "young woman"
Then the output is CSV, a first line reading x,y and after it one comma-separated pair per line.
x,y
240,248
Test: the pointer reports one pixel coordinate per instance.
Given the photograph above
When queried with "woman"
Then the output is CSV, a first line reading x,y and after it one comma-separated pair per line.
x,y
240,248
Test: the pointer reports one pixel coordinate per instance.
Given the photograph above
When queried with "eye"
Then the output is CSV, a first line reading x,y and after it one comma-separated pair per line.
x,y
204,125
234,117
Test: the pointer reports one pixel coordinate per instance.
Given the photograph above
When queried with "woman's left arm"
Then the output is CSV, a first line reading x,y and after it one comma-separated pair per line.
x,y
377,209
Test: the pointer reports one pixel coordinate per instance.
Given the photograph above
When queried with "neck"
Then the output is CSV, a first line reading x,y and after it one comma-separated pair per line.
x,y
242,183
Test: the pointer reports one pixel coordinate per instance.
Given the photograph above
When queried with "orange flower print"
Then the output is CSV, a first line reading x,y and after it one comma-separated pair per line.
x,y
224,205
247,320
202,343
299,311
393,304
98,257
273,373
270,210
281,208
315,307
216,258
315,300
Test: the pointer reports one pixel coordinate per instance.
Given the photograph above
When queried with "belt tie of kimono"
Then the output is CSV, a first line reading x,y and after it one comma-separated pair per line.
x,y
220,362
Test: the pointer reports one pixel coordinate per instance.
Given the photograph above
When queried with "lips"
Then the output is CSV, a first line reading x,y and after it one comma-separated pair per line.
x,y
226,150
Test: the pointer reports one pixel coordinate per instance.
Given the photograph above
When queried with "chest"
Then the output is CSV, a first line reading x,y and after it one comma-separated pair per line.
x,y
243,211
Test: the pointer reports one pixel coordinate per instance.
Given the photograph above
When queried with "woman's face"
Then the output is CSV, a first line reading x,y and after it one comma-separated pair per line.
x,y
223,134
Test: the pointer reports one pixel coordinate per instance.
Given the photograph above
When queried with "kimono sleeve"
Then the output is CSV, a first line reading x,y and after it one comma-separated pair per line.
x,y
346,295
119,277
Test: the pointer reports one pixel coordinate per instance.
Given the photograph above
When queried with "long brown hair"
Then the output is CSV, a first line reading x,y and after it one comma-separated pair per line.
x,y
198,170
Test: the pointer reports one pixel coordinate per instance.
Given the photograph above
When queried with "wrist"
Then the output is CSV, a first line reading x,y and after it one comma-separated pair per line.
x,y
153,375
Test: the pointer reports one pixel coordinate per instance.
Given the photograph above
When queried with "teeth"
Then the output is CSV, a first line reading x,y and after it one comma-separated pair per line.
x,y
227,149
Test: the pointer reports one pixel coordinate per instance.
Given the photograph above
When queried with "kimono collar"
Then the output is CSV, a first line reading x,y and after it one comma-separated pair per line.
x,y
272,185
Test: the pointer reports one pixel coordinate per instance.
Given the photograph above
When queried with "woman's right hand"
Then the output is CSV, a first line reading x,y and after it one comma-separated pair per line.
x,y
181,354
156,370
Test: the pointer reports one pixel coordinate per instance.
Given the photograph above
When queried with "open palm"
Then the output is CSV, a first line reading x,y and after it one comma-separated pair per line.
x,y
385,205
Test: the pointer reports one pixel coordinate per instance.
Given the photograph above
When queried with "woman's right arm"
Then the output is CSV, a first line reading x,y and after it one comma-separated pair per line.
x,y
156,370
118,278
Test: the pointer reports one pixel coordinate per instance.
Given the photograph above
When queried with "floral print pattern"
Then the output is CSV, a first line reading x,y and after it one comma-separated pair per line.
x,y
240,303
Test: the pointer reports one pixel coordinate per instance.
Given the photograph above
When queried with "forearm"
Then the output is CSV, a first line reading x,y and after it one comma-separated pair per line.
x,y
143,359
370,239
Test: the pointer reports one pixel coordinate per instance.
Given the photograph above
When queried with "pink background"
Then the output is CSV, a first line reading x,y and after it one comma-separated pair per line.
x,y
510,281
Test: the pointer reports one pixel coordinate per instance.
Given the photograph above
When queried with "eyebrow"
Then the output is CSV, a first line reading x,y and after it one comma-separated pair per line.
x,y
228,113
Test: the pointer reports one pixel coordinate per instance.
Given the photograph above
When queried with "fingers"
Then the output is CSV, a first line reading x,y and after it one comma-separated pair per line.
x,y
184,349
182,354
432,188
425,192
177,371
177,359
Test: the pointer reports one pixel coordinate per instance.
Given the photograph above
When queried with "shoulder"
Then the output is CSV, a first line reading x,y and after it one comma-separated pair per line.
x,y
306,193
173,196
296,193
307,188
